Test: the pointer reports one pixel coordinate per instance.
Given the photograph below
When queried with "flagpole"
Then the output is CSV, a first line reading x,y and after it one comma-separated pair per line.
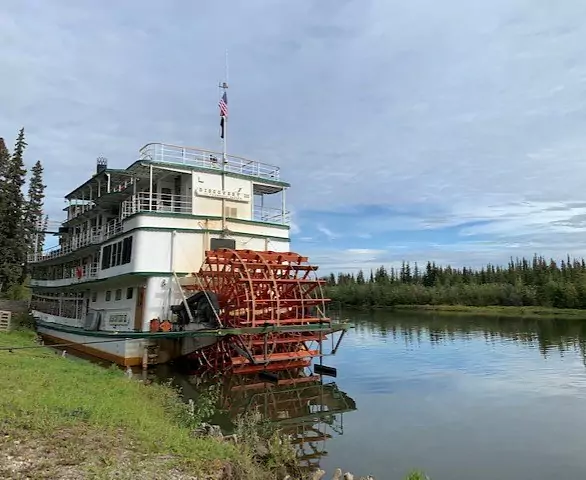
x,y
223,99
224,87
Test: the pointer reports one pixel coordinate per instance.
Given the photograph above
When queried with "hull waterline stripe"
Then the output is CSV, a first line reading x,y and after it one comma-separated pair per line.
x,y
222,332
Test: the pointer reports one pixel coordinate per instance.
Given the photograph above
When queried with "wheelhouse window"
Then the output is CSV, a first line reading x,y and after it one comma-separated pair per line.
x,y
119,253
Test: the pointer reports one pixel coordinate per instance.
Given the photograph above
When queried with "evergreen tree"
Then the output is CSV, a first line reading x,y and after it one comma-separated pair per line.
x,y
522,282
42,237
4,163
34,210
11,218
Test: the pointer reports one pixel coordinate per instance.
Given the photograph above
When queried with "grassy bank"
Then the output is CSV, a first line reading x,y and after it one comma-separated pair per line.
x,y
66,418
517,312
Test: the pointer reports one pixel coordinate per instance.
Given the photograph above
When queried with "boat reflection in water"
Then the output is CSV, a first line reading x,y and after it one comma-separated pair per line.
x,y
301,405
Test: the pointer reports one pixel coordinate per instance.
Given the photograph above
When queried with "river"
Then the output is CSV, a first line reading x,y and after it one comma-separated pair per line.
x,y
458,397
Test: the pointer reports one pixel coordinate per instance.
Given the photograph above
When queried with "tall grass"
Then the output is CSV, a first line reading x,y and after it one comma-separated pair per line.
x,y
43,395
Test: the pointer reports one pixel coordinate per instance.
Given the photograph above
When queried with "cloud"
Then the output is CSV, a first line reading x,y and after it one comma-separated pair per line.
x,y
295,230
326,231
461,120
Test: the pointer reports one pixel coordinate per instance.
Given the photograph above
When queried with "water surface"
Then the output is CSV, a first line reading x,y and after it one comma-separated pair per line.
x,y
463,397
458,397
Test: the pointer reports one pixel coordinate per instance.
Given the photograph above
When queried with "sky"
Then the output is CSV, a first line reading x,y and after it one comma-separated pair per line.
x,y
410,130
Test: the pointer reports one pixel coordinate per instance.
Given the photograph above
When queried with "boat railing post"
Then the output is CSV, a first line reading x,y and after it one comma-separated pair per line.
x,y
283,205
150,188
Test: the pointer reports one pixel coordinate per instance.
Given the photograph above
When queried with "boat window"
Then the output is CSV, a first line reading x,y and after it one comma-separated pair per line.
x,y
108,295
129,293
126,250
94,296
118,259
118,294
106,257
115,252
118,253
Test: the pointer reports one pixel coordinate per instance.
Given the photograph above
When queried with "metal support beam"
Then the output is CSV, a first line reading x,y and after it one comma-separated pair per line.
x,y
335,349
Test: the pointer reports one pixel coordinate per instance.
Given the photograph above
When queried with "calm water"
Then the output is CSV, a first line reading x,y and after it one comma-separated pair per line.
x,y
459,397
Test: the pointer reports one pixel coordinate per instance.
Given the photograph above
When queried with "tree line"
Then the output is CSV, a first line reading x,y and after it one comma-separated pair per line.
x,y
21,215
523,282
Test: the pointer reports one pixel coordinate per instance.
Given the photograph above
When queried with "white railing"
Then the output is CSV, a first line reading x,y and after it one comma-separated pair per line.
x,y
165,153
70,276
84,206
83,272
270,215
157,202
143,202
92,236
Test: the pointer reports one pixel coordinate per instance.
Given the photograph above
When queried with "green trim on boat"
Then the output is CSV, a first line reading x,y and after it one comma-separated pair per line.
x,y
114,277
209,217
75,253
219,332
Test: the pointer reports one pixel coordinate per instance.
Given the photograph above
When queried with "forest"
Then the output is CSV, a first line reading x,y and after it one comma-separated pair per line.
x,y
523,282
21,217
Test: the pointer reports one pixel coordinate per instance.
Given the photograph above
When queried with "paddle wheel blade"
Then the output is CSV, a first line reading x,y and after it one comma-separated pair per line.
x,y
263,290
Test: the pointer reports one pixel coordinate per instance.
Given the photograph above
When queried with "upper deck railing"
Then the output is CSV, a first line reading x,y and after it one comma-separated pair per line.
x,y
92,236
166,153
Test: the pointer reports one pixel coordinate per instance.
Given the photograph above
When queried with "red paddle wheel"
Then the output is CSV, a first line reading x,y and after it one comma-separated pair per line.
x,y
279,292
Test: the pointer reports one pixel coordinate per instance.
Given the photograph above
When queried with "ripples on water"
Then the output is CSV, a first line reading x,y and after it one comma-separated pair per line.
x,y
459,397
463,397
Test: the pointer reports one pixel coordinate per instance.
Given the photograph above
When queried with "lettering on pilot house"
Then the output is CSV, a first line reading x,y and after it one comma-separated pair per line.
x,y
118,319
234,195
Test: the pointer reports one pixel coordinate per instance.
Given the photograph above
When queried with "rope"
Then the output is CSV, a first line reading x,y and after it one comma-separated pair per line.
x,y
10,349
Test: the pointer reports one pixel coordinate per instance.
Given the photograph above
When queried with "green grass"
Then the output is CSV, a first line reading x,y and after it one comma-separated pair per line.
x,y
71,414
69,418
517,312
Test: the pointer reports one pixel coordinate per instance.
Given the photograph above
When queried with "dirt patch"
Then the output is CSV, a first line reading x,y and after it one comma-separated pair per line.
x,y
78,454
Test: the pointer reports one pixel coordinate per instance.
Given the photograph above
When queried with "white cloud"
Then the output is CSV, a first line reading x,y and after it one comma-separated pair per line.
x,y
326,231
468,112
295,230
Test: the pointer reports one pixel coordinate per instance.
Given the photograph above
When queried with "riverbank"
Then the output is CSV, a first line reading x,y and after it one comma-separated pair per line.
x,y
500,311
66,418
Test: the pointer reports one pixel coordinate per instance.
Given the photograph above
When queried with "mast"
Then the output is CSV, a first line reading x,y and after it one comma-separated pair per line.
x,y
224,124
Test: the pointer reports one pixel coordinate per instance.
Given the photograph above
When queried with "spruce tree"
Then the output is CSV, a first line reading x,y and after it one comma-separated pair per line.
x,y
34,210
4,161
12,218
41,242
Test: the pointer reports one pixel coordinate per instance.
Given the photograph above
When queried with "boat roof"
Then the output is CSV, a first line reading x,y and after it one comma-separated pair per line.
x,y
193,159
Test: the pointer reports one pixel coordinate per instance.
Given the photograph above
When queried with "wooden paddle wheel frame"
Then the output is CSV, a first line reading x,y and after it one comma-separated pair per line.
x,y
302,406
259,290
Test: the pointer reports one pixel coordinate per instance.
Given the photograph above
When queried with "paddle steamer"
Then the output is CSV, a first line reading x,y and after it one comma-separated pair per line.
x,y
131,235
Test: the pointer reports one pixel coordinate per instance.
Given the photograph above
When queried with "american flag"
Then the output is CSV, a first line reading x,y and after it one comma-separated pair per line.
x,y
224,105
